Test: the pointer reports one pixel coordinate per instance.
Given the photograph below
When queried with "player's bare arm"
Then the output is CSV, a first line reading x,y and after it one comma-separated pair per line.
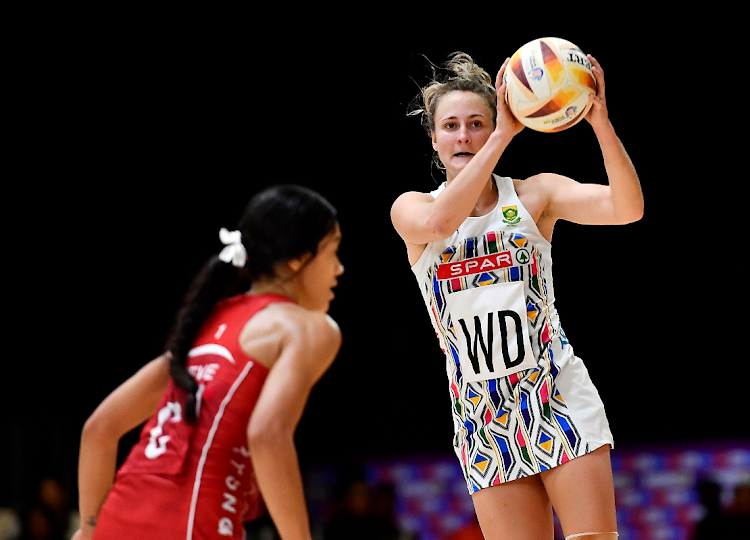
x,y
310,342
128,406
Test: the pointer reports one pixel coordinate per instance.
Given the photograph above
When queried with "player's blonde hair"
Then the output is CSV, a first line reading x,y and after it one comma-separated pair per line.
x,y
463,74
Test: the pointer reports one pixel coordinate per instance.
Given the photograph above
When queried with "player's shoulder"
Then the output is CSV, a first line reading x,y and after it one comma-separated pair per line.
x,y
545,178
314,327
410,197
545,182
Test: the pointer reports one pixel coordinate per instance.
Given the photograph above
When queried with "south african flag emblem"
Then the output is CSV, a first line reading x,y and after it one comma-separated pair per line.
x,y
510,215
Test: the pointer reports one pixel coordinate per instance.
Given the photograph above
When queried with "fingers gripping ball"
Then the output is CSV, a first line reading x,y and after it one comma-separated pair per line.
x,y
548,82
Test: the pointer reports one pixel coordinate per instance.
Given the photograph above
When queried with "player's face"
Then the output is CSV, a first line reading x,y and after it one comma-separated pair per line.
x,y
319,276
463,123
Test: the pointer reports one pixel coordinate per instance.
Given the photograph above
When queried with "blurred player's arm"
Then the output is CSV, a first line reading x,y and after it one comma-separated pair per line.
x,y
127,407
309,346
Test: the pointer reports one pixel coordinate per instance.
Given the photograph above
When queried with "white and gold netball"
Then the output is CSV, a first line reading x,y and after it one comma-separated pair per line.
x,y
548,82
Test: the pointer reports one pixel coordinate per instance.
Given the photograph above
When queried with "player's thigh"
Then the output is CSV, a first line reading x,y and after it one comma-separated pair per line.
x,y
517,510
583,494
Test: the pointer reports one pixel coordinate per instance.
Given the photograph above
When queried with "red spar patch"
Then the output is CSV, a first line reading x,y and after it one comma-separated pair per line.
x,y
475,265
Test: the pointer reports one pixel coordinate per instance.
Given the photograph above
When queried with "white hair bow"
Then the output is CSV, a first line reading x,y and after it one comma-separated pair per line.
x,y
234,251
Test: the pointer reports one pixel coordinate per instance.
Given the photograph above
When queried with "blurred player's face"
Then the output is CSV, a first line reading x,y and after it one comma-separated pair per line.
x,y
463,123
318,276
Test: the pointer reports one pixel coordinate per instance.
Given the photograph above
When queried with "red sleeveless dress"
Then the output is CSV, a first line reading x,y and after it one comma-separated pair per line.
x,y
195,480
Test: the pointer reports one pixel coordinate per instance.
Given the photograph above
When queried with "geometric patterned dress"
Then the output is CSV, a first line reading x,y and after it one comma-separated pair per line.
x,y
522,402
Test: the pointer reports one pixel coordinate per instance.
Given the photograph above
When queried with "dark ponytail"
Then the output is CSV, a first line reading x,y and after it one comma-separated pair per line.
x,y
215,281
279,224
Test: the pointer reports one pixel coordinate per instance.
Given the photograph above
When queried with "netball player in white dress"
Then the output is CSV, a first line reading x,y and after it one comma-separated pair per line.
x,y
531,432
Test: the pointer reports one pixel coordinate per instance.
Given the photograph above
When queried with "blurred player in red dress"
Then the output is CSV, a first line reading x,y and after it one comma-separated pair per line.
x,y
222,403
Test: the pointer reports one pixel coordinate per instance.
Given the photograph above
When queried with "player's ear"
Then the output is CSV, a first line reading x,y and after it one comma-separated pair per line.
x,y
296,264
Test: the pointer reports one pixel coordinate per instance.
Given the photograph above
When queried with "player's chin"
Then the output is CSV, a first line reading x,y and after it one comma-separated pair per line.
x,y
454,168
325,303
460,161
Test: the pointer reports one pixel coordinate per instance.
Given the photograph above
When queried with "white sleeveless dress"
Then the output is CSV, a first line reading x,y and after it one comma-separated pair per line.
x,y
522,402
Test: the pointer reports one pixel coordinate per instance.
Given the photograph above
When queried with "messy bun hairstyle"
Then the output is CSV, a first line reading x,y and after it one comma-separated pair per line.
x,y
461,73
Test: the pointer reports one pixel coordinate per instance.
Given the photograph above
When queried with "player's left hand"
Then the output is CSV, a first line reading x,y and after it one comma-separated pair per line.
x,y
598,116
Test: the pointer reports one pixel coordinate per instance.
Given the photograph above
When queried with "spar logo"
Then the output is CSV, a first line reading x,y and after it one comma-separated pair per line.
x,y
475,265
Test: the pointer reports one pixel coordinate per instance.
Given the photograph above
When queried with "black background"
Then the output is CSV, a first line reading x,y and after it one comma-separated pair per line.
x,y
145,135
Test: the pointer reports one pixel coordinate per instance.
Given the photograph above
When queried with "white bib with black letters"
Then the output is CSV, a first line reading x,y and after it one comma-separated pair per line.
x,y
491,332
